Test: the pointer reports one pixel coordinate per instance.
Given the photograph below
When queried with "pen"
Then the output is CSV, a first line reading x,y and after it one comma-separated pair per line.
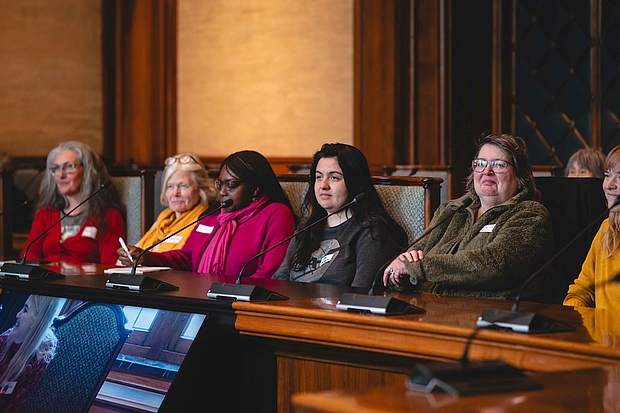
x,y
122,241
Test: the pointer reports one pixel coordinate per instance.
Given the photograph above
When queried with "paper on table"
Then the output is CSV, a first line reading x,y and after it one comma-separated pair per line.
x,y
139,270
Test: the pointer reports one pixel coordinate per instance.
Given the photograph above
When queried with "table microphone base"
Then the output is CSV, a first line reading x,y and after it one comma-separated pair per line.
x,y
521,322
474,377
243,292
27,272
137,283
376,304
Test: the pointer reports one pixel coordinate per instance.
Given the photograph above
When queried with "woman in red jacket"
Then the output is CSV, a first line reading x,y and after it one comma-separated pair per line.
x,y
90,233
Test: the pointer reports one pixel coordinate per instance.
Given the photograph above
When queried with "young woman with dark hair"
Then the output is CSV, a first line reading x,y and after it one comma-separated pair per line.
x,y
259,217
353,244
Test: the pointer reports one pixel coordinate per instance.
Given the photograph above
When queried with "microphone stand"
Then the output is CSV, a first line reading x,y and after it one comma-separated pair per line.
x,y
375,304
23,271
239,292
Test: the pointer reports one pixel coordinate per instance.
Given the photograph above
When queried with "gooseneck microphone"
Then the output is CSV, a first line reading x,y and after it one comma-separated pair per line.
x,y
255,293
358,198
525,322
224,204
21,270
23,204
390,305
133,282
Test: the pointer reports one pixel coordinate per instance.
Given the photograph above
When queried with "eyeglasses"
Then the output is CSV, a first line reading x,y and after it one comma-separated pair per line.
x,y
498,166
67,168
230,184
182,159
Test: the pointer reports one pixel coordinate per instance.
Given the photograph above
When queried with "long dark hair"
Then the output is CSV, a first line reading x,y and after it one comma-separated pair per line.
x,y
94,175
255,169
367,213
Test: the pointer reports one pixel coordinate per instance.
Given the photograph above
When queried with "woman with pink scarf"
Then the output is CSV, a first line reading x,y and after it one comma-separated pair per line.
x,y
220,244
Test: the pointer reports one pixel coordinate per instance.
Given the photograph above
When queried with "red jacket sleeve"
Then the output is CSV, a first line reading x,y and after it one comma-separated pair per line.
x,y
108,244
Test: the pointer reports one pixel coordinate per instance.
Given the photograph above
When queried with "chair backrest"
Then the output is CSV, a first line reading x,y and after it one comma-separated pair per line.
x,y
410,201
29,181
547,170
89,339
137,189
573,203
430,171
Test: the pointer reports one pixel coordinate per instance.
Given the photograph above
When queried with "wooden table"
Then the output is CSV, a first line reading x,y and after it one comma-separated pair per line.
x,y
254,356
592,390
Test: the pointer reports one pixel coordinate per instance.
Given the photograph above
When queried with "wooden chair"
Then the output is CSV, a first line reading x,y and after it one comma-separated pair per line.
x,y
137,189
431,171
89,339
411,201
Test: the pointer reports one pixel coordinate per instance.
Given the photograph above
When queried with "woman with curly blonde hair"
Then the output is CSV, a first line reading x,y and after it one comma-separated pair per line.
x,y
594,287
26,350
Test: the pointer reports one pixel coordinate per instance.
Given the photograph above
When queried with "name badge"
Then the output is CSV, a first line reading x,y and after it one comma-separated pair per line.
x,y
90,232
176,239
488,228
204,229
8,387
326,259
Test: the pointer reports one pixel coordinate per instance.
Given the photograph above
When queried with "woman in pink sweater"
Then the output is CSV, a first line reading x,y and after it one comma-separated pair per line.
x,y
260,216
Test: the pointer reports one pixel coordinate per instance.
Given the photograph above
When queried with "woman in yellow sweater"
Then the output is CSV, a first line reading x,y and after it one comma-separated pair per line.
x,y
595,286
186,189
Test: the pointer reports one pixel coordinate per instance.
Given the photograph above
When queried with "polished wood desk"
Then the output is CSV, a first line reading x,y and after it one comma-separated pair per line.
x,y
592,391
254,356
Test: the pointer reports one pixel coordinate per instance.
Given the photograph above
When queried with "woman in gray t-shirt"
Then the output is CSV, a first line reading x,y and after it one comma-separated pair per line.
x,y
352,245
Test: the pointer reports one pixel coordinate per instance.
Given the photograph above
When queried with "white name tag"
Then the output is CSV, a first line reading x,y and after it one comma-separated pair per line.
x,y
8,387
90,232
204,229
176,239
488,228
326,259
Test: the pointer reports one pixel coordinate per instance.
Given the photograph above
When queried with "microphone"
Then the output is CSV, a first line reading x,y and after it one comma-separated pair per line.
x,y
23,204
21,270
390,305
134,282
255,293
525,322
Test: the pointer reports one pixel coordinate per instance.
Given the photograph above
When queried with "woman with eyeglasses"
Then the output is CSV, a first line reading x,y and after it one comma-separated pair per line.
x,y
186,191
260,217
90,233
491,247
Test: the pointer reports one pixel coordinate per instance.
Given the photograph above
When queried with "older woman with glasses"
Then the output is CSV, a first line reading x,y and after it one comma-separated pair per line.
x,y
186,190
259,217
491,247
88,234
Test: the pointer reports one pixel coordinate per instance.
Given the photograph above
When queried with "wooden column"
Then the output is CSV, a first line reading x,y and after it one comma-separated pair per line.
x,y
139,55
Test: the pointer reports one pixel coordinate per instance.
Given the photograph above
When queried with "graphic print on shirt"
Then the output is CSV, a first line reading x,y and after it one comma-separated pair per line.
x,y
320,262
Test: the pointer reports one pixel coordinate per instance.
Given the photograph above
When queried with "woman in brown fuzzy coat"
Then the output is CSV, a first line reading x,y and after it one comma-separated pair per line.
x,y
491,247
